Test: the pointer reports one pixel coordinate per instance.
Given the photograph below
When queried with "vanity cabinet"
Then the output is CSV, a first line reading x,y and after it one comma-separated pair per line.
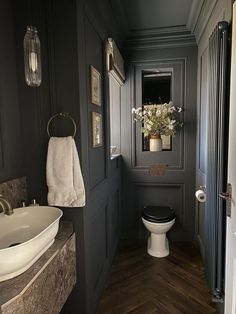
x,y
44,287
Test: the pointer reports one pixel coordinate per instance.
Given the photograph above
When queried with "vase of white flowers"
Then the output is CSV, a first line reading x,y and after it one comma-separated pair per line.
x,y
155,143
157,120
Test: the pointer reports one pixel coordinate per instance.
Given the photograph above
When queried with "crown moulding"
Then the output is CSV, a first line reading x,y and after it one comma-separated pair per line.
x,y
178,36
194,14
198,22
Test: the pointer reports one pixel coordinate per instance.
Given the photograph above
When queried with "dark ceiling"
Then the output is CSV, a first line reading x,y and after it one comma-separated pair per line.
x,y
142,16
146,14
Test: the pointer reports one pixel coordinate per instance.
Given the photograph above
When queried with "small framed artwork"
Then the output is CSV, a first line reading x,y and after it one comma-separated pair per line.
x,y
97,137
95,85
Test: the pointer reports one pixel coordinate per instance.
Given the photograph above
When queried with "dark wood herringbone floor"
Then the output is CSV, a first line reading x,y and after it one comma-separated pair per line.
x,y
142,284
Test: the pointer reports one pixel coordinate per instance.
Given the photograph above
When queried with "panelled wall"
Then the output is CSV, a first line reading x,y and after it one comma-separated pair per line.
x,y
102,212
175,188
72,35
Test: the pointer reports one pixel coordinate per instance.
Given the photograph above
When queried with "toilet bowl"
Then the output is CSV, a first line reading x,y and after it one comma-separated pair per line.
x,y
158,220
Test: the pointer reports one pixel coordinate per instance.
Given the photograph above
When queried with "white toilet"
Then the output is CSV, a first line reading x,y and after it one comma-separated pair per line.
x,y
158,220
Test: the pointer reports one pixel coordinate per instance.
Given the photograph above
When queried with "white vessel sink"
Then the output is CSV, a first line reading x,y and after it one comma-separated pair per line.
x,y
25,236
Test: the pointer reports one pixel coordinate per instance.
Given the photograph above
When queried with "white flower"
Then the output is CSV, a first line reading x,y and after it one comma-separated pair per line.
x,y
165,110
157,118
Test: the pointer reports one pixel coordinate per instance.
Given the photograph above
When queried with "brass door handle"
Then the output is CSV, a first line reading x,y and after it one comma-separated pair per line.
x,y
225,195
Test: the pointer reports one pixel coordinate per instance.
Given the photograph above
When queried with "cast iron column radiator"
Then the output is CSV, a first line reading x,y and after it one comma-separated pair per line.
x,y
216,161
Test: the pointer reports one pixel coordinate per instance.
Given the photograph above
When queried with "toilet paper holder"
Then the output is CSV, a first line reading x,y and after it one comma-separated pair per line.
x,y
202,187
200,194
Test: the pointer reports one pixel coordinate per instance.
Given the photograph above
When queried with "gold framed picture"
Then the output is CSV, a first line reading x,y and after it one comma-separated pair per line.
x,y
97,136
95,86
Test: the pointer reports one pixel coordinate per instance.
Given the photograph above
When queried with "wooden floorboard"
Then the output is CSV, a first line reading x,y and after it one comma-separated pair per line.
x,y
141,284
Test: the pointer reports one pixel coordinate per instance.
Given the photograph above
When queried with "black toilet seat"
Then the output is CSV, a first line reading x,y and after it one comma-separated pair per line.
x,y
159,214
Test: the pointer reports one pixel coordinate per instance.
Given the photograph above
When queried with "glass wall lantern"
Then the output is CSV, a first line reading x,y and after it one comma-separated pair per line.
x,y
32,57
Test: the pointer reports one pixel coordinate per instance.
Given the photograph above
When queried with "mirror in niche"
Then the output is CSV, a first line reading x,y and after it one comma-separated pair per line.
x,y
156,89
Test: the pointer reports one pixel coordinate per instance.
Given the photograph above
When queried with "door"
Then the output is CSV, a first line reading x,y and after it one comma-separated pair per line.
x,y
230,276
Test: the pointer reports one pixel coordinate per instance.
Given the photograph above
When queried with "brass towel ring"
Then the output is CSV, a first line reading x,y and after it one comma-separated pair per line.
x,y
63,115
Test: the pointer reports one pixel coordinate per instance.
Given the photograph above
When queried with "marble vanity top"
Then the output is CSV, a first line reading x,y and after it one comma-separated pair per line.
x,y
12,288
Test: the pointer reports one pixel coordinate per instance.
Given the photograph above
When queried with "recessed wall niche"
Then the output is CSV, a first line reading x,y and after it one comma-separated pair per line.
x,y
174,158
156,89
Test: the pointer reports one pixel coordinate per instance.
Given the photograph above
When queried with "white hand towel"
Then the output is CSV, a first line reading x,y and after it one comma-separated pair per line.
x,y
64,177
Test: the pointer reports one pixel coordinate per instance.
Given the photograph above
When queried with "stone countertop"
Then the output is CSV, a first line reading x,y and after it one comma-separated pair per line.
x,y
12,288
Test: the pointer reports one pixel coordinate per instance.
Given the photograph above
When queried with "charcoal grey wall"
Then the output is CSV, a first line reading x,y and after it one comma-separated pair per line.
x,y
176,188
11,150
101,215
35,103
72,35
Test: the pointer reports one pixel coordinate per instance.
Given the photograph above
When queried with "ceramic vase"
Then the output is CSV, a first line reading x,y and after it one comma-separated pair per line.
x,y
155,143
